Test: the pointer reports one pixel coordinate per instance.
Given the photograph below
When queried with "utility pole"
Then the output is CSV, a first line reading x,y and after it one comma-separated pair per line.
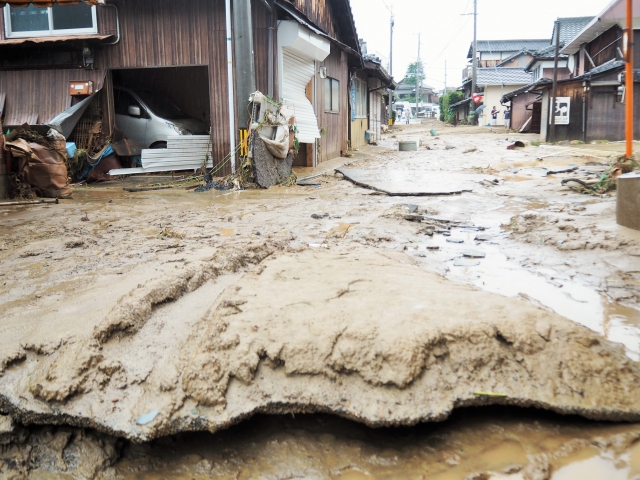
x,y
418,78
445,77
245,66
474,72
554,89
628,96
389,91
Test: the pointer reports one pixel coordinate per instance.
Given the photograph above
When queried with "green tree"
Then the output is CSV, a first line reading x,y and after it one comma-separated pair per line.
x,y
414,68
446,114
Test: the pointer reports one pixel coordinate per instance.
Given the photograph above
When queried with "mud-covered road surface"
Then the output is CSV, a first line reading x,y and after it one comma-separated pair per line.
x,y
130,320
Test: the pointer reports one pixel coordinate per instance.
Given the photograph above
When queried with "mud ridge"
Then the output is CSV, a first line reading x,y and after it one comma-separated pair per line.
x,y
387,351
136,307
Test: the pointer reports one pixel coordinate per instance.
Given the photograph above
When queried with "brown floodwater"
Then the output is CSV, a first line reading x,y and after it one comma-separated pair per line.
x,y
501,443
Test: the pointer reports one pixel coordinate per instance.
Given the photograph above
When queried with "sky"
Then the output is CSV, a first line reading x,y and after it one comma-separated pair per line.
x,y
446,32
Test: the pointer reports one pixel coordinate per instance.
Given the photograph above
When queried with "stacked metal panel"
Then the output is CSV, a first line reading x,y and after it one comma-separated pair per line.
x,y
183,152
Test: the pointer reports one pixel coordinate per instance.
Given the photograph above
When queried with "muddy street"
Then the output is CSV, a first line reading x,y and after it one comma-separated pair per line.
x,y
452,312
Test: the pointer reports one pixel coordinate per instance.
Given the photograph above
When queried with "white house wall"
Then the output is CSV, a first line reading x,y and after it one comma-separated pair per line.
x,y
492,96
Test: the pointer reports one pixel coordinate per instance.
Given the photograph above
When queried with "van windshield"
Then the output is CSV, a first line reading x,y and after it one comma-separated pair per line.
x,y
161,105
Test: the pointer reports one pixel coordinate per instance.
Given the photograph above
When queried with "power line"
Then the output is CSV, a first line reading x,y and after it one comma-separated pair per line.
x,y
465,22
451,41
385,4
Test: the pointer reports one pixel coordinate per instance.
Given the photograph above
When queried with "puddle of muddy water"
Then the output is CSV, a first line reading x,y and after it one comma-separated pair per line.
x,y
507,271
547,287
505,443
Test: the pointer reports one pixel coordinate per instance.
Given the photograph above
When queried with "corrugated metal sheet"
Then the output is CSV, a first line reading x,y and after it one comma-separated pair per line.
x,y
183,152
298,72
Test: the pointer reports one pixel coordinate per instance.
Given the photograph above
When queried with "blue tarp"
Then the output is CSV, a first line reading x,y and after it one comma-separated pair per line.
x,y
88,167
71,149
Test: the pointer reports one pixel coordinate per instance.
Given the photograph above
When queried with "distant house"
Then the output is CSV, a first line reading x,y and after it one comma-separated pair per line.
x,y
427,92
526,101
541,65
491,53
591,95
501,68
492,83
369,100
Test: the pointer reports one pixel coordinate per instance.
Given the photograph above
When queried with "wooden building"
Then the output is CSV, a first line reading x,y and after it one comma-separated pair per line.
x,y
369,101
591,94
302,52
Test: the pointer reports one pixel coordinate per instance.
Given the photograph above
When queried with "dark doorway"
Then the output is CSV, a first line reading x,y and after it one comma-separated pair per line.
x,y
536,118
185,87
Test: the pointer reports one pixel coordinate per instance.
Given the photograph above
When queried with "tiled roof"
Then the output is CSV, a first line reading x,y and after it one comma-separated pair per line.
x,y
503,76
605,67
459,104
570,27
548,52
508,45
515,55
532,86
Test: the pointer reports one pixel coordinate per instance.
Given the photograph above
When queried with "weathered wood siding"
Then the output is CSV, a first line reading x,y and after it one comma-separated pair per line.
x,y
319,12
162,33
154,33
334,143
264,25
40,93
519,112
605,116
599,50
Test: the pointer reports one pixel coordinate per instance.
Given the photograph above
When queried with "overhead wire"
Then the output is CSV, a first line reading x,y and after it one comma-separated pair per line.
x,y
464,24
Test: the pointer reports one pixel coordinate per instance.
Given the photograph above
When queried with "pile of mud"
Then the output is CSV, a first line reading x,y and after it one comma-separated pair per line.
x,y
383,343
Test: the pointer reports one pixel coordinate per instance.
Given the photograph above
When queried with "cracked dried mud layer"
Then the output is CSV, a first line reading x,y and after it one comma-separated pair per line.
x,y
362,335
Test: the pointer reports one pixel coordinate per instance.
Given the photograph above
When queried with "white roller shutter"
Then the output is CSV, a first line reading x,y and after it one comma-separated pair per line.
x,y
297,73
375,101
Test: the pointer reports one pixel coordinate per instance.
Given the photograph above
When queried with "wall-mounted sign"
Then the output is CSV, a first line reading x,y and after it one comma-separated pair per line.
x,y
563,106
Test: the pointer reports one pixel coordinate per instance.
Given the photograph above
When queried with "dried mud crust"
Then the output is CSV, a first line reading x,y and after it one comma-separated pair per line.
x,y
358,334
566,234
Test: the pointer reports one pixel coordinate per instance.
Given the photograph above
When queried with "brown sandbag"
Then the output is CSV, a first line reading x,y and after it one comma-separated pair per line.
x,y
42,168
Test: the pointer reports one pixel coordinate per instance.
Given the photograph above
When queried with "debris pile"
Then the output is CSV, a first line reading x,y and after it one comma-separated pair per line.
x,y
606,182
37,164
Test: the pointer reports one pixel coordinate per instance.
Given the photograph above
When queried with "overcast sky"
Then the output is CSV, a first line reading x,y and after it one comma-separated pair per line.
x,y
446,34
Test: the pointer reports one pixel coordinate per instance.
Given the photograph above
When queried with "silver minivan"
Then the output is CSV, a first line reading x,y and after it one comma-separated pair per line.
x,y
148,117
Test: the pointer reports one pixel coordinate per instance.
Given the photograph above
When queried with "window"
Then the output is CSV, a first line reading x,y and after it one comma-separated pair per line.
x,y
32,21
361,99
331,95
122,100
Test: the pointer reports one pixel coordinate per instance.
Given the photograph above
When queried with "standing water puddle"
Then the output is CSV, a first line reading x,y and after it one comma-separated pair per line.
x,y
557,287
497,443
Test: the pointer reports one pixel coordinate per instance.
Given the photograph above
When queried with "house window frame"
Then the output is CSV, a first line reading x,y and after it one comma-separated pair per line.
x,y
362,92
334,108
51,32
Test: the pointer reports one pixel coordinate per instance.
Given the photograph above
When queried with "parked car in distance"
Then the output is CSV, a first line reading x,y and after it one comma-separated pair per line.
x,y
148,117
429,111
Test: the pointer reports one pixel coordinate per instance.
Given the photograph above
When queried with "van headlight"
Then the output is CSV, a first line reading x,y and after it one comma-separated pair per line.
x,y
179,130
